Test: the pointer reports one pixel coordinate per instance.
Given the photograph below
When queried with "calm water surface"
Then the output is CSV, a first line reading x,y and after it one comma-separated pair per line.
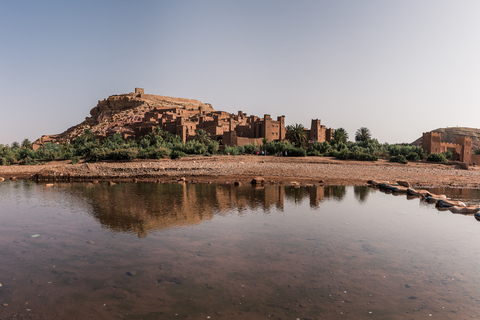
x,y
150,251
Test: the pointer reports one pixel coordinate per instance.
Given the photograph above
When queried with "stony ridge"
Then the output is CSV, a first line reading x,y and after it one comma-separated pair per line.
x,y
449,135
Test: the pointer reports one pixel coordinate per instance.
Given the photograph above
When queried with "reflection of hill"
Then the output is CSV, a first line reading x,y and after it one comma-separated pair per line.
x,y
143,208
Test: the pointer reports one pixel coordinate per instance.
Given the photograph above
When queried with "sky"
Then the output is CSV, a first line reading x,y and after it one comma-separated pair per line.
x,y
399,68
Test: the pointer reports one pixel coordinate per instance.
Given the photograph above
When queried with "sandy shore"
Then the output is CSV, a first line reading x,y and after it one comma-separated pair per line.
x,y
275,170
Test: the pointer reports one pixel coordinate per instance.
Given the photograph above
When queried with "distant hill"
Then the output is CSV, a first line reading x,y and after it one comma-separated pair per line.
x,y
449,135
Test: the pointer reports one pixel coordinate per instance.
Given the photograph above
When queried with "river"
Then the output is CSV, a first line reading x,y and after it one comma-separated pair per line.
x,y
204,251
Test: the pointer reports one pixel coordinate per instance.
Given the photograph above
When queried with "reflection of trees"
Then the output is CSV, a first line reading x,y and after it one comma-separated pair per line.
x,y
142,208
361,193
338,192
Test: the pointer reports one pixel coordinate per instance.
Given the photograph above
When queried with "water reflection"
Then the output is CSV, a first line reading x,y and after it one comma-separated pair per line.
x,y
225,252
144,208
361,193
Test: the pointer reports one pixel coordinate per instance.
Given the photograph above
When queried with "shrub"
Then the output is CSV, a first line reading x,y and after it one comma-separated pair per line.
x,y
437,157
3,161
97,155
412,156
195,147
342,155
250,148
296,152
123,154
177,154
364,156
314,153
320,147
213,147
75,160
399,159
232,150
448,154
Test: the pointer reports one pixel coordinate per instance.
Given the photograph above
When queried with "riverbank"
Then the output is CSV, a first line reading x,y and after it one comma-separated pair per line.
x,y
242,169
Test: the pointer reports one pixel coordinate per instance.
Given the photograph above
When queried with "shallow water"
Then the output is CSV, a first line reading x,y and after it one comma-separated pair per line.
x,y
152,251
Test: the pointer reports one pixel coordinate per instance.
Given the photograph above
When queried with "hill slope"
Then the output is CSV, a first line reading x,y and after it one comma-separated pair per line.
x,y
118,113
449,135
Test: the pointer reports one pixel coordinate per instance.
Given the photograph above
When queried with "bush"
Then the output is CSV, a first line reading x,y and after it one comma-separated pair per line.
x,y
399,159
437,157
320,148
364,156
97,155
342,155
3,161
314,153
232,151
75,160
250,148
213,147
177,154
28,161
412,156
123,154
448,154
296,152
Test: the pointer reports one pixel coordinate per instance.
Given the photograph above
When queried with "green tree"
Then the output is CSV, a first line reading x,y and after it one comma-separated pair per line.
x,y
15,145
363,134
340,135
26,144
202,136
296,134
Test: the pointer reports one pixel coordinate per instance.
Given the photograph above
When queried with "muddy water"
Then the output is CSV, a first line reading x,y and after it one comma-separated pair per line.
x,y
149,251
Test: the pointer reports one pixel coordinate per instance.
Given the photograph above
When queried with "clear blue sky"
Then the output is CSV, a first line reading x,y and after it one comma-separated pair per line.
x,y
399,68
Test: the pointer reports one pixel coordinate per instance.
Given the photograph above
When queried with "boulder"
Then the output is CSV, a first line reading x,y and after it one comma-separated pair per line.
x,y
403,183
2,179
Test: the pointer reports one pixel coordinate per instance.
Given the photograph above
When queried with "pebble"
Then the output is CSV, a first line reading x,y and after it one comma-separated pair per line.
x,y
131,273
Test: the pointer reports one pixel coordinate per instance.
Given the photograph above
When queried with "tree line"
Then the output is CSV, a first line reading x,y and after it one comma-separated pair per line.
x,y
162,144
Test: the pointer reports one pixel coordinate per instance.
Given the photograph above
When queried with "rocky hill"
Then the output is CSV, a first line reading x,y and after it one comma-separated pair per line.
x,y
449,135
117,113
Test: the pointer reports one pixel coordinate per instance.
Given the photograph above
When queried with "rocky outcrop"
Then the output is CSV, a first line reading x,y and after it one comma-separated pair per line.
x,y
120,113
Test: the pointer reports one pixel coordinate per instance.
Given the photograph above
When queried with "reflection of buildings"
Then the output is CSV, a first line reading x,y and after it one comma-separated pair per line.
x,y
143,208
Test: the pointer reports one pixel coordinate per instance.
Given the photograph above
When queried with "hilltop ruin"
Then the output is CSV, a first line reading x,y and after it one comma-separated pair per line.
x,y
136,114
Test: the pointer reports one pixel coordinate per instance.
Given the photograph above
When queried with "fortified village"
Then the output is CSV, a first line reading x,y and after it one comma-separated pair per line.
x,y
461,149
136,114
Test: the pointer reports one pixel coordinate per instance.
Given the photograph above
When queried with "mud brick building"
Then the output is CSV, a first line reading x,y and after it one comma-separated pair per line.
x,y
461,149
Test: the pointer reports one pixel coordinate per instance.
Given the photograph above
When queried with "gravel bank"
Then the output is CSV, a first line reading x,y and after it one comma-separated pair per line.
x,y
275,170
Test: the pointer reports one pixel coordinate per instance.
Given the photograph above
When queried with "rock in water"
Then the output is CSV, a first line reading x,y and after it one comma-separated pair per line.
x,y
404,183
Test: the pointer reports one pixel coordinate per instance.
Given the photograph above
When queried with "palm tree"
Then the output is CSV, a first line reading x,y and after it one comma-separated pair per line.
x,y
26,144
340,135
15,145
203,136
296,134
363,134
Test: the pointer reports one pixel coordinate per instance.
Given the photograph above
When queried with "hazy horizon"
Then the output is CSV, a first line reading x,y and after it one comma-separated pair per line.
x,y
397,68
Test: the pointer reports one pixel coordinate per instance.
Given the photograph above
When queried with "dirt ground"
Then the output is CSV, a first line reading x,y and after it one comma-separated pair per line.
x,y
242,169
